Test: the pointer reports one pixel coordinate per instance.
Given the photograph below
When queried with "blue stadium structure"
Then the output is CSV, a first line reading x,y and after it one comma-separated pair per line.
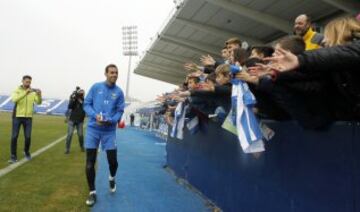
x,y
48,106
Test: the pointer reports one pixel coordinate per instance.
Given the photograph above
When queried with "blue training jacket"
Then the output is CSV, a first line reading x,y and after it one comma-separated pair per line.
x,y
107,100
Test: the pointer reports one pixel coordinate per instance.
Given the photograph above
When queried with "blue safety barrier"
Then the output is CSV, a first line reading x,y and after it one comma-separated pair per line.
x,y
301,170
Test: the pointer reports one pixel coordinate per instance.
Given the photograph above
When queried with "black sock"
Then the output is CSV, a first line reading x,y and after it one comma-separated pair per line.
x,y
112,160
90,168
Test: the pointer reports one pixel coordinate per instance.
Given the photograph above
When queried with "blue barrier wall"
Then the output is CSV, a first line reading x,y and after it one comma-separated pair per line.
x,y
299,171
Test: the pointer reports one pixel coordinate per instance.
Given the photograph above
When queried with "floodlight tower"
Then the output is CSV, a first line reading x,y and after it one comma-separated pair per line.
x,y
130,42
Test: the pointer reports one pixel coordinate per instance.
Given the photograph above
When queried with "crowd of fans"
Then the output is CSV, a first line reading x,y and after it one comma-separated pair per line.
x,y
308,77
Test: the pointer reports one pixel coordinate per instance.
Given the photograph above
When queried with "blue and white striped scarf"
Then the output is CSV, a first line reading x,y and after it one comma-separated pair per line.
x,y
248,128
179,121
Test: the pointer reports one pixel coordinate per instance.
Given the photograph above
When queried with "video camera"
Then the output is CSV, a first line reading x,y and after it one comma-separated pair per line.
x,y
78,93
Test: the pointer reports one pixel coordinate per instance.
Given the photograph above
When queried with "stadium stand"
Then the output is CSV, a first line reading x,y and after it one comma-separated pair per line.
x,y
61,108
49,106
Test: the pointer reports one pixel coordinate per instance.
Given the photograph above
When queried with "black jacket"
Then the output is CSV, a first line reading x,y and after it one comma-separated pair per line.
x,y
340,65
337,58
221,96
77,113
301,82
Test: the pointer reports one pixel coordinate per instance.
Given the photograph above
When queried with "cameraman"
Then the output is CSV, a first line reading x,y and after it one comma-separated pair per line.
x,y
75,118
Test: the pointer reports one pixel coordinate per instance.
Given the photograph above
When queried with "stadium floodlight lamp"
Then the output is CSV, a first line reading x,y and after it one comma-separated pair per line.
x,y
130,42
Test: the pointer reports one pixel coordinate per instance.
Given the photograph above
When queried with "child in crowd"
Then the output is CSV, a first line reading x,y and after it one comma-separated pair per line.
x,y
193,83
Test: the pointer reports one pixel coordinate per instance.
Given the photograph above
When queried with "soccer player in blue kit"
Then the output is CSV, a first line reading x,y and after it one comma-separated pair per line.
x,y
104,106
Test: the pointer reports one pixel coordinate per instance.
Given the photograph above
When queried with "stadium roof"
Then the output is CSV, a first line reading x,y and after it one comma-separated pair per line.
x,y
200,27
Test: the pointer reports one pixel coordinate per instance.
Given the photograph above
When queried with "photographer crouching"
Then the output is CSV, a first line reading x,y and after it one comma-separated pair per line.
x,y
75,116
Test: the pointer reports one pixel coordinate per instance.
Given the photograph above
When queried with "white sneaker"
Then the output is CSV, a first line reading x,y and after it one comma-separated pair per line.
x,y
91,200
112,185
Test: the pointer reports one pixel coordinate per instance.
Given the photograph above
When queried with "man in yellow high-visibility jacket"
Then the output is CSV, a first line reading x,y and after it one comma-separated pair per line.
x,y
24,98
302,27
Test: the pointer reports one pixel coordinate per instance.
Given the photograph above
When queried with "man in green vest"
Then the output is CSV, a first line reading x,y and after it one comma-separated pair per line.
x,y
24,98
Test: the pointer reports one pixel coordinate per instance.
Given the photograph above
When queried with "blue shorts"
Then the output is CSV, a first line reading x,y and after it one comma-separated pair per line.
x,y
94,137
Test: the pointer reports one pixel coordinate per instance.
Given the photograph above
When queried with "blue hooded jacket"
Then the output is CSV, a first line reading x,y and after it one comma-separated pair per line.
x,y
106,100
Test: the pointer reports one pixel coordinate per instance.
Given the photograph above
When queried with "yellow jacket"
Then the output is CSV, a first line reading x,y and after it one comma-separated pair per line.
x,y
312,39
25,102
